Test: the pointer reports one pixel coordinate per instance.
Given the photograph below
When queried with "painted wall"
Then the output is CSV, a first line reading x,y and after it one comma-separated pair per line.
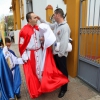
x,y
39,8
56,3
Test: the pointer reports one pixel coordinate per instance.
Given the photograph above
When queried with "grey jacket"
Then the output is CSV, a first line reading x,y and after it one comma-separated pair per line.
x,y
62,33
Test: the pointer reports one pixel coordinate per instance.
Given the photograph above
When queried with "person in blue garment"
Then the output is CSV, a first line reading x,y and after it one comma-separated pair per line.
x,y
14,69
6,79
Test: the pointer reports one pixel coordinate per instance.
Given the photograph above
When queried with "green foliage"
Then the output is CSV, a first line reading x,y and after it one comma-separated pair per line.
x,y
10,21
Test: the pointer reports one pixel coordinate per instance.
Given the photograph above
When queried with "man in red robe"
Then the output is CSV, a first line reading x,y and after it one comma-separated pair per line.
x,y
40,77
31,52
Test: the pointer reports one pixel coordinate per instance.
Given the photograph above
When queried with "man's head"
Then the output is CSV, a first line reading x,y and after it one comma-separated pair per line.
x,y
7,42
58,15
31,18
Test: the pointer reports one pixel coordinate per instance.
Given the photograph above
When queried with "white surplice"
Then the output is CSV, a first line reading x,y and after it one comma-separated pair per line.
x,y
49,39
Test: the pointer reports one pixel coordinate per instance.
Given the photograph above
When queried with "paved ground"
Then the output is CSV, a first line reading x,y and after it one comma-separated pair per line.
x,y
77,89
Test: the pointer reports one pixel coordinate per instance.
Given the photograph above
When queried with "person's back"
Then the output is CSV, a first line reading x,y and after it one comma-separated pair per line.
x,y
11,34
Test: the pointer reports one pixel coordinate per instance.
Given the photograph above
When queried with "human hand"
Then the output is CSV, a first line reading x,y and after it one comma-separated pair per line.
x,y
20,61
5,49
38,17
24,61
42,39
6,52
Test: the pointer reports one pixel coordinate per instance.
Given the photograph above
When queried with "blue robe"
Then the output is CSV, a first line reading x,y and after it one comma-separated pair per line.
x,y
17,77
6,79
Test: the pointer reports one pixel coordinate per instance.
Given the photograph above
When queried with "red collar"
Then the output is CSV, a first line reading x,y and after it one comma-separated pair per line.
x,y
34,27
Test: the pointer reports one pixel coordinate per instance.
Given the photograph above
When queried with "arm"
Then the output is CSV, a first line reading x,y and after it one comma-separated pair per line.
x,y
24,55
50,24
63,43
15,59
31,45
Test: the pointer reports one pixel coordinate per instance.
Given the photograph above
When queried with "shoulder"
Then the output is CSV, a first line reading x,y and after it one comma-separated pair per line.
x,y
66,27
26,29
55,23
11,50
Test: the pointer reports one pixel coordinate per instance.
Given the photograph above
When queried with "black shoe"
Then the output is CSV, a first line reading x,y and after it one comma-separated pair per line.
x,y
18,96
61,94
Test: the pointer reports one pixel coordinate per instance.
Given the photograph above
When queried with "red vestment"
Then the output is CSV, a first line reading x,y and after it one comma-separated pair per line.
x,y
52,78
32,81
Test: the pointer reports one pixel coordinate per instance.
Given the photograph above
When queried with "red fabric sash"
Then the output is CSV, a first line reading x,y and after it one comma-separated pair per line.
x,y
32,81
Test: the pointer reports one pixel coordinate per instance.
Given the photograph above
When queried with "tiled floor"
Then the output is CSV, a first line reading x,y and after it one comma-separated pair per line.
x,y
77,89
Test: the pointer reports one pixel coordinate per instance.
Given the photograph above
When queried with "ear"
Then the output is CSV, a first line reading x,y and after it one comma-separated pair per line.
x,y
29,19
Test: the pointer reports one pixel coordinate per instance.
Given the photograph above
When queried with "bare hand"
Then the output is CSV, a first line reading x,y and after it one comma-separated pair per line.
x,y
38,17
42,39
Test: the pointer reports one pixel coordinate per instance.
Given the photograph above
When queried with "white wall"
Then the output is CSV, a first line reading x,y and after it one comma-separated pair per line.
x,y
40,5
54,3
39,8
16,36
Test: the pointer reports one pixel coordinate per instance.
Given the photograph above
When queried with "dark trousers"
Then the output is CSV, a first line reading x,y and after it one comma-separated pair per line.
x,y
12,38
62,66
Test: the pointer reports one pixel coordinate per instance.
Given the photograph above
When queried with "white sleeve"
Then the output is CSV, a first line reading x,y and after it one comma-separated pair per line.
x,y
20,61
21,40
16,60
25,56
5,52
